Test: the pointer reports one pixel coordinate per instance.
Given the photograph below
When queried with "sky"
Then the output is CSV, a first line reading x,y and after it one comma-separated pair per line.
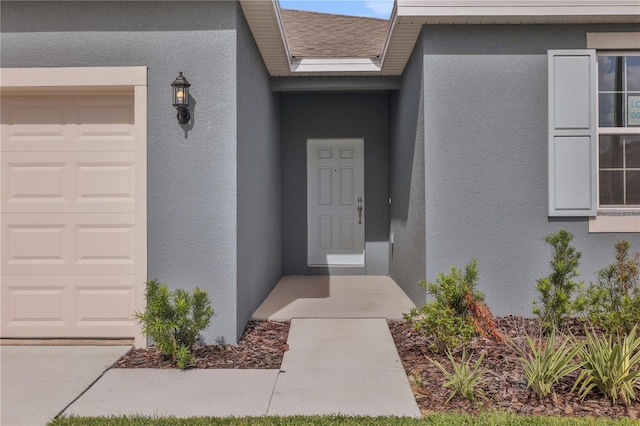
x,y
371,8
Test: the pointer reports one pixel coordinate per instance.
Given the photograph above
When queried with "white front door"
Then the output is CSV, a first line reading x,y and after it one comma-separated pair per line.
x,y
335,202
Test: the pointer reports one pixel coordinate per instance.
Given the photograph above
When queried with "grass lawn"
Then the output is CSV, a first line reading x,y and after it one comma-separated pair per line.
x,y
444,419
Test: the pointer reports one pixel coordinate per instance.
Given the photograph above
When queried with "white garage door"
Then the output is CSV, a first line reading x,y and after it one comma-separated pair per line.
x,y
70,240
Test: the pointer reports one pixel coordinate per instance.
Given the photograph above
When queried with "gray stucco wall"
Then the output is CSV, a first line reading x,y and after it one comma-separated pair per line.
x,y
486,158
335,115
192,181
259,183
407,254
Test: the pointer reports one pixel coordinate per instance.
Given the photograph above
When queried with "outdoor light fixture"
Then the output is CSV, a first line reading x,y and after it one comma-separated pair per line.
x,y
181,98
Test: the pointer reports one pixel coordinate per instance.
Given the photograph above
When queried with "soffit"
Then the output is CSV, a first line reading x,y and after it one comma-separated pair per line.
x,y
263,17
408,17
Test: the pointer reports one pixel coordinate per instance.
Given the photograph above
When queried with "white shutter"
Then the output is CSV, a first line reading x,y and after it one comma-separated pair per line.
x,y
572,133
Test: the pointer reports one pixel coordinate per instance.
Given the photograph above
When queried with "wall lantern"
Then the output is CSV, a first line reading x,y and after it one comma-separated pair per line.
x,y
181,98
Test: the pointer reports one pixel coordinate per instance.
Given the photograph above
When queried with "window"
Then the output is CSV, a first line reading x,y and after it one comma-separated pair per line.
x,y
594,132
618,130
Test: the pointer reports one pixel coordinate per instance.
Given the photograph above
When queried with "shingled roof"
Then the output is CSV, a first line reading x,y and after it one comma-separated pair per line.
x,y
325,35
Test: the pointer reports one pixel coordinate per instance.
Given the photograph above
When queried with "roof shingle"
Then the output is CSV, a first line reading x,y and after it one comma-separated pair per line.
x,y
324,35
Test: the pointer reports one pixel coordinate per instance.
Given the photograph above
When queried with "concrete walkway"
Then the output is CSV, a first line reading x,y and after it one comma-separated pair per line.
x,y
346,366
341,359
38,382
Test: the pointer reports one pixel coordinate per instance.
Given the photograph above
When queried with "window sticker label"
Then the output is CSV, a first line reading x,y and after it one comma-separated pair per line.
x,y
634,111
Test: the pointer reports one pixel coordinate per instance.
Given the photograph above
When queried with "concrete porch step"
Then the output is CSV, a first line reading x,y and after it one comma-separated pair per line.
x,y
335,296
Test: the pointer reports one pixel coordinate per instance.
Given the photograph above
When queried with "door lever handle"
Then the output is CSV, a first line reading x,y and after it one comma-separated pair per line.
x,y
360,215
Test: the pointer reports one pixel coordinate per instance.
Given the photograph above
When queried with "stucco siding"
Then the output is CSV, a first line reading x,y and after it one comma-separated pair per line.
x,y
192,182
486,163
259,183
407,252
344,115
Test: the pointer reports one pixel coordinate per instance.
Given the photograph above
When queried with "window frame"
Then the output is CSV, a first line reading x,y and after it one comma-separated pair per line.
x,y
614,131
613,218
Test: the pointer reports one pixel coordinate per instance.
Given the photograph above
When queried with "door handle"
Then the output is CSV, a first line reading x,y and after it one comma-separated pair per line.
x,y
359,210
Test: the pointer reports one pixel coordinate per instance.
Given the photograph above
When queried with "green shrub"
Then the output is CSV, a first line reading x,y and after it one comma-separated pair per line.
x,y
452,290
611,365
613,302
174,319
440,323
465,379
545,364
556,290
458,311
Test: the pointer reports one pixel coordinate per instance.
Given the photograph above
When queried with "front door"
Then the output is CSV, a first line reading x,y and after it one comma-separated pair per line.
x,y
335,202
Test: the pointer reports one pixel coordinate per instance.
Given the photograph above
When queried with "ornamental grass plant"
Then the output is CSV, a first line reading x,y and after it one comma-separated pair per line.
x,y
545,364
611,365
465,379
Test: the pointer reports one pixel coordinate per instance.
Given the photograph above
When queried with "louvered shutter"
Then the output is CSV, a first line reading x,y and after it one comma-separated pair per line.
x,y
572,133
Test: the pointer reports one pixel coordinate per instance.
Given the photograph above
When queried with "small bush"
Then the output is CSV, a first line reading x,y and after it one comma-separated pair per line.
x,y
611,365
556,290
174,319
440,323
454,289
613,302
465,379
458,312
545,364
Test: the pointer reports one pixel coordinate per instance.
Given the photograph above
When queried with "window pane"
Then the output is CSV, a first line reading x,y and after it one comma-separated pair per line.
x,y
633,187
633,111
633,73
632,151
610,151
606,110
611,187
607,73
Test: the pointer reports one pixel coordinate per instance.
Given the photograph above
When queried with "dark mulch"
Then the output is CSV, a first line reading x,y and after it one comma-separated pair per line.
x,y
506,388
261,346
264,342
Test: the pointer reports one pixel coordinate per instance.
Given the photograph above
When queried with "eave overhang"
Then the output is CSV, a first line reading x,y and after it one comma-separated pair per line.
x,y
406,22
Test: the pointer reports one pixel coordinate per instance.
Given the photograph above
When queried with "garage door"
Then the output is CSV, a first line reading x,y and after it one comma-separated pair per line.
x,y
70,238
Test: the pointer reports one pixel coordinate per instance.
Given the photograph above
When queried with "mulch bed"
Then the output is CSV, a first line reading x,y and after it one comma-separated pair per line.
x,y
263,344
506,388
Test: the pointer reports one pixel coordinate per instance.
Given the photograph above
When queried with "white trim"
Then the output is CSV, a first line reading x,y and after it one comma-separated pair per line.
x,y
600,224
613,40
330,65
283,36
71,77
598,9
140,134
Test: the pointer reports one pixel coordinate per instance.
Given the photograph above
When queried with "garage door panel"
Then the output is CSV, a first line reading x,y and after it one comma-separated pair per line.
x,y
34,303
68,306
35,122
68,182
107,304
35,244
74,122
73,247
81,243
